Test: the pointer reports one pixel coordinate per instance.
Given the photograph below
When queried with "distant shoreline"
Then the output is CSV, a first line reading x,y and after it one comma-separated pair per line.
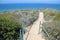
x,y
27,9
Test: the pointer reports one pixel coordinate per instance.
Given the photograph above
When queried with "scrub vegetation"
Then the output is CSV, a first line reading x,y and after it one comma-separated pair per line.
x,y
53,27
11,22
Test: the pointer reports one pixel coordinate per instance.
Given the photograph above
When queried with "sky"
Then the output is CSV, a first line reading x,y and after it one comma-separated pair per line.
x,y
30,1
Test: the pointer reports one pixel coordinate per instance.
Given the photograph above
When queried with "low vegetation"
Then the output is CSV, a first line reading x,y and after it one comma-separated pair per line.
x,y
53,28
11,22
9,28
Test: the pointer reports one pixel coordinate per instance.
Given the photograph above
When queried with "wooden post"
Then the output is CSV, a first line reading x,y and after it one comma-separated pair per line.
x,y
22,33
41,19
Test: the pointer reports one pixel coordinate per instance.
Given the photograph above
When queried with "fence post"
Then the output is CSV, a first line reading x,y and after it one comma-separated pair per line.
x,y
21,33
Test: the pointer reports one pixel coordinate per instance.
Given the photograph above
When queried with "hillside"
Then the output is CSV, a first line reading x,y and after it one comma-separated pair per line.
x,y
28,17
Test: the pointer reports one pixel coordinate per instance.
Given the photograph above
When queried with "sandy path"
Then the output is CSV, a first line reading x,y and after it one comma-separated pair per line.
x,y
33,34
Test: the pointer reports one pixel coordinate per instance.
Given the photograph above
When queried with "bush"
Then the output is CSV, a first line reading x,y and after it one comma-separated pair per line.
x,y
9,28
53,28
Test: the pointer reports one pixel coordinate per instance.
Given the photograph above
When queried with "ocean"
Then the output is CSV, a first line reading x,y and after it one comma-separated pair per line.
x,y
28,6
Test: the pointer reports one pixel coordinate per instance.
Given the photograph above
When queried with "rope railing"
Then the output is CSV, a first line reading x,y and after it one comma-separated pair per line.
x,y
43,28
46,32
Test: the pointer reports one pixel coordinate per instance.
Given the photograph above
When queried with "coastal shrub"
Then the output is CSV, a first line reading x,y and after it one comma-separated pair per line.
x,y
53,28
9,28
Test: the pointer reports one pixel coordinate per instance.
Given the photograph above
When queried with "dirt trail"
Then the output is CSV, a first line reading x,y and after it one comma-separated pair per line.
x,y
33,33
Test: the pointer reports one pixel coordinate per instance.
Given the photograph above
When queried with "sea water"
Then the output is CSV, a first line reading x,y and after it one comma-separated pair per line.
x,y
29,6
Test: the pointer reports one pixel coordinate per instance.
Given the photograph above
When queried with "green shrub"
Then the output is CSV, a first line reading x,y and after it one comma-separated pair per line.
x,y
9,28
53,28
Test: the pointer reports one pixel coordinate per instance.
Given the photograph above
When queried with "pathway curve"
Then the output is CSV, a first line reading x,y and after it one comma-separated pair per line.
x,y
33,33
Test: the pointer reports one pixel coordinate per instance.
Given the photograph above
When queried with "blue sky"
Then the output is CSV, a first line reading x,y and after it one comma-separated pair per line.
x,y
31,1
